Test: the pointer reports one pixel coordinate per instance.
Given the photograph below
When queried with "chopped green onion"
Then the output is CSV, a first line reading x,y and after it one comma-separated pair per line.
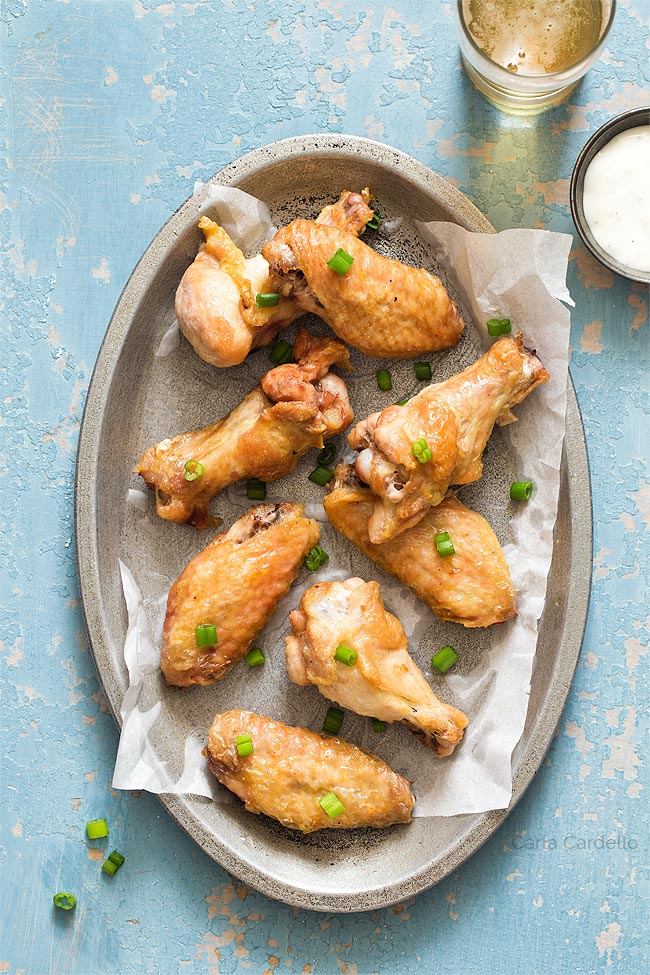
x,y
255,490
375,222
378,725
384,381
421,451
97,828
267,299
113,863
444,544
422,370
244,745
255,657
206,635
444,659
341,261
332,805
327,454
322,475
333,721
521,490
282,353
346,655
316,557
193,469
498,326
402,402
65,901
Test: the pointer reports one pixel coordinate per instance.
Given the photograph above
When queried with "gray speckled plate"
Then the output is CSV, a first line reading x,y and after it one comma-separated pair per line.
x,y
331,870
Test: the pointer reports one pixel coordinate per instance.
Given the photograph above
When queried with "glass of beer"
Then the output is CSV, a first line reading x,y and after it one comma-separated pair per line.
x,y
527,55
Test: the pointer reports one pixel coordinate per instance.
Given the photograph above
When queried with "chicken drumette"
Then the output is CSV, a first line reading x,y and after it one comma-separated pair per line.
x,y
472,587
295,407
291,769
233,586
410,455
384,681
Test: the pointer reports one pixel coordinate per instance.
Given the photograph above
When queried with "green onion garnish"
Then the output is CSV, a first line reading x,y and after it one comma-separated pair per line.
x,y
193,469
498,326
346,655
255,657
521,490
97,828
322,475
375,222
327,454
244,745
378,725
444,544
206,635
316,557
384,380
421,451
402,402
113,863
332,805
267,299
282,353
65,901
422,370
333,721
444,659
255,490
341,261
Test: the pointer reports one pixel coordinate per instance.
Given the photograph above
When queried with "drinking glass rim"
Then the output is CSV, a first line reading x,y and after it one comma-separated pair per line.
x,y
549,75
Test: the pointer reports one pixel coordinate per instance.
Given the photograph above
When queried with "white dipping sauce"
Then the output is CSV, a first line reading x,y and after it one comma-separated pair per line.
x,y
616,197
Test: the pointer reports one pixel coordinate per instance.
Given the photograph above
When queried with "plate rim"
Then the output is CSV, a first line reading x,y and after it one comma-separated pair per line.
x,y
575,463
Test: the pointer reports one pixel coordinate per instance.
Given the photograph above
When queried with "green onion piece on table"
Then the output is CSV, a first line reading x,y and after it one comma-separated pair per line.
x,y
327,454
255,490
346,655
322,475
315,558
244,745
384,381
375,222
444,544
282,353
378,725
498,326
421,451
206,635
193,469
521,490
255,657
267,299
113,863
402,402
333,721
444,659
341,261
65,901
332,805
422,371
97,828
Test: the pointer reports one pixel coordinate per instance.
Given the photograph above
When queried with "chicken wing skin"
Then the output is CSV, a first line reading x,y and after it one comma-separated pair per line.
x,y
455,418
234,585
380,306
385,682
215,300
296,406
292,768
472,587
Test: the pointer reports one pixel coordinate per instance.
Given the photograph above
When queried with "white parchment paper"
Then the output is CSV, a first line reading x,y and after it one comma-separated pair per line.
x,y
518,274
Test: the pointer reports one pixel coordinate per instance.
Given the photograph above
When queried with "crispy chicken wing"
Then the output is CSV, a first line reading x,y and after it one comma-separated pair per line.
x,y
380,306
453,420
215,300
234,585
295,407
384,681
472,587
290,769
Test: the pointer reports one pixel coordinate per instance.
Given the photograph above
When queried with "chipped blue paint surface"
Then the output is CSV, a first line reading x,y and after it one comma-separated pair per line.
x,y
111,111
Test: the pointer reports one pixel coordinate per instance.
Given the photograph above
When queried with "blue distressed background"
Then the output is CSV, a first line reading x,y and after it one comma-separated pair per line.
x,y
111,111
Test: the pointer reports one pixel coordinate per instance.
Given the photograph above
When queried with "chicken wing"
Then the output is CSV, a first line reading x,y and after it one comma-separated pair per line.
x,y
291,769
295,407
472,587
233,585
451,422
384,682
216,298
380,306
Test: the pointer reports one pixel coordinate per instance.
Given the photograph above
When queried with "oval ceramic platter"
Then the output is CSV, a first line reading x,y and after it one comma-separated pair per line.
x,y
136,399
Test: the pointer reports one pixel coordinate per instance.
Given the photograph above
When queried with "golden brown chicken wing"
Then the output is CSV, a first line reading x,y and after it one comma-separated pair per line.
x,y
384,681
291,769
380,306
472,587
216,298
295,407
234,586
411,454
